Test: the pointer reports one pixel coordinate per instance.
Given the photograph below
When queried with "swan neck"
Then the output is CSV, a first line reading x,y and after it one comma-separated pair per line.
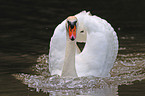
x,y
69,69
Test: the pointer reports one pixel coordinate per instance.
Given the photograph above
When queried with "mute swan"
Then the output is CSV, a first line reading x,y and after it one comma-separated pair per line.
x,y
98,55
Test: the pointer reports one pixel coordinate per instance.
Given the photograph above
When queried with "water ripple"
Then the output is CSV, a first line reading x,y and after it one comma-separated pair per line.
x,y
127,68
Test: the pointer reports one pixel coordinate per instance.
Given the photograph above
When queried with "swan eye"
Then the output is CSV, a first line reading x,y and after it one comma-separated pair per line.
x,y
68,22
75,22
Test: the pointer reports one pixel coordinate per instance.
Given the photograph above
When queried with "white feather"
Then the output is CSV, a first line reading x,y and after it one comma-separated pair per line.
x,y
99,53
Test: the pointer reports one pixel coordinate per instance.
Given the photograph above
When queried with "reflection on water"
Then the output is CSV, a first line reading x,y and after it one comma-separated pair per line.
x,y
127,68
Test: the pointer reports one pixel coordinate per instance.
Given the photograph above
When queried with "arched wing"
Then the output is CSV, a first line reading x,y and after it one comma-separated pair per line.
x,y
57,49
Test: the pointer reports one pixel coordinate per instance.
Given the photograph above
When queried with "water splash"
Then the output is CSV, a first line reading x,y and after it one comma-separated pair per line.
x,y
127,68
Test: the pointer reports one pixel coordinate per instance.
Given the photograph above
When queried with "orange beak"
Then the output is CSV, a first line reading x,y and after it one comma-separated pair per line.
x,y
72,32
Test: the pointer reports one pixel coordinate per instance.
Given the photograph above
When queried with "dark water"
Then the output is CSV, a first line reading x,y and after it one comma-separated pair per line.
x,y
26,27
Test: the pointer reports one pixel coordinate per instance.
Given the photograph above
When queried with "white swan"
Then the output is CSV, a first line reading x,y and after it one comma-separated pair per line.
x,y
98,55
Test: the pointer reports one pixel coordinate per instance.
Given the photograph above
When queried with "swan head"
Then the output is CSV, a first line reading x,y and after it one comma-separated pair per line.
x,y
71,26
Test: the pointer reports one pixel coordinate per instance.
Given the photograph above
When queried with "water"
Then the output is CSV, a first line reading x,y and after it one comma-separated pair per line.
x,y
26,29
123,72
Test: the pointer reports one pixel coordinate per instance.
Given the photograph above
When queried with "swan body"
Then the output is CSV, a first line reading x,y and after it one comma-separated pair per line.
x,y
98,55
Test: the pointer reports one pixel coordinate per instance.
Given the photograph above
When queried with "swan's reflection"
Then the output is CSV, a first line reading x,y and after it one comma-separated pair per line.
x,y
123,72
107,91
57,86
